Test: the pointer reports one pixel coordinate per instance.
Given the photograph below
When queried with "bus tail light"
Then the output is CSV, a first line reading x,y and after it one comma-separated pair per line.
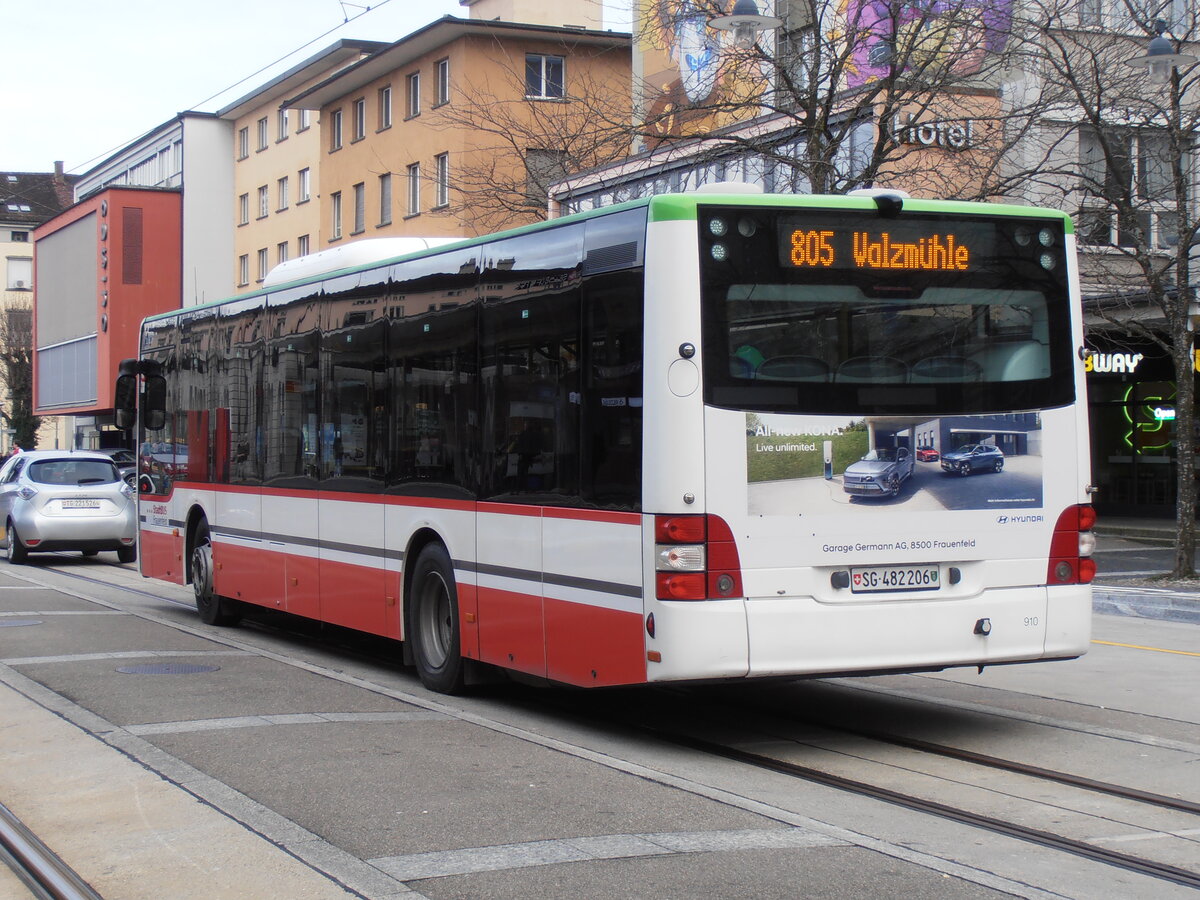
x,y
696,558
1071,547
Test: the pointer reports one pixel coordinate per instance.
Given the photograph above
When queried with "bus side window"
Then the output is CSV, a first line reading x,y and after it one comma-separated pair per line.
x,y
611,434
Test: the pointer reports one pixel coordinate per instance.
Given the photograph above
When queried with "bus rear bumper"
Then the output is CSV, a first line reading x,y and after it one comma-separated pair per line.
x,y
777,636
798,636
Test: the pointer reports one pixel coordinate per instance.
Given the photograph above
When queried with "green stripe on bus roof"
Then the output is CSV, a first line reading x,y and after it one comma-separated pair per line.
x,y
671,207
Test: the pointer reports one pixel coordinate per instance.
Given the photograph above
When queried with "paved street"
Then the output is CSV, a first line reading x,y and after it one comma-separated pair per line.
x,y
160,757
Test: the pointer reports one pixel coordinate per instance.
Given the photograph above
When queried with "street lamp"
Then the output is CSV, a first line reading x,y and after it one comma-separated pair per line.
x,y
1160,57
745,22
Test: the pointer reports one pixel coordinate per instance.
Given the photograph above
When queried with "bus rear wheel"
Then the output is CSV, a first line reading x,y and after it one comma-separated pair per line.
x,y
434,622
213,608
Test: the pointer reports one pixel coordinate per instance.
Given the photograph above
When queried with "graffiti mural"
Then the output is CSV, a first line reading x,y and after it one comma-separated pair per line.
x,y
954,33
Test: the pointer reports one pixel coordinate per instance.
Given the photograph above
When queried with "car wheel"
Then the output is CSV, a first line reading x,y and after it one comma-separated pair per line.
x,y
433,617
893,485
127,554
17,554
964,469
213,608
998,466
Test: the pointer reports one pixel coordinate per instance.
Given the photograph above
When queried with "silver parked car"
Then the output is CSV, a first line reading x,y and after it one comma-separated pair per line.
x,y
66,500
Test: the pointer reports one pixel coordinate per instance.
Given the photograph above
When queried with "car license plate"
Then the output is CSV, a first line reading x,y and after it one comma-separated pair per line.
x,y
80,504
878,579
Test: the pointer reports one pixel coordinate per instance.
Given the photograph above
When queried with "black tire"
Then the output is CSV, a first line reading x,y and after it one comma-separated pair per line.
x,y
998,466
964,469
893,486
434,622
127,554
213,609
17,554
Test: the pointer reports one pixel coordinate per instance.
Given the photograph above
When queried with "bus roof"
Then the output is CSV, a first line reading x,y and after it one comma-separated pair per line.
x,y
662,208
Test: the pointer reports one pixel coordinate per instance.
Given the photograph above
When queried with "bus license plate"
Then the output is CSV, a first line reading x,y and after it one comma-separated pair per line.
x,y
81,504
878,579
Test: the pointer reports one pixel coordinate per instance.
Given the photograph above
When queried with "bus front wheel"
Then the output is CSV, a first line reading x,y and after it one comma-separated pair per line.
x,y
434,622
213,608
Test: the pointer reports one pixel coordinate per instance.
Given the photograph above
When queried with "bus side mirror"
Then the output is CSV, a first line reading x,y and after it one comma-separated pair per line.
x,y
125,401
154,403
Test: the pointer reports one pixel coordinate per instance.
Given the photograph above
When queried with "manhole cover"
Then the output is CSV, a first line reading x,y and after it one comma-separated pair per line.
x,y
167,669
17,623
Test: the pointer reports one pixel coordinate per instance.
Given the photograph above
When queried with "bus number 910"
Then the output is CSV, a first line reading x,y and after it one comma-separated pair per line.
x,y
812,248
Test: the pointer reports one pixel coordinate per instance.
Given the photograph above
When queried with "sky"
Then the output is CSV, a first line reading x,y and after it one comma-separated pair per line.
x,y
85,77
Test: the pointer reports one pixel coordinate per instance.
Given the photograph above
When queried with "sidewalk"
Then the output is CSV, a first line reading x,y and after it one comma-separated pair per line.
x,y
1149,601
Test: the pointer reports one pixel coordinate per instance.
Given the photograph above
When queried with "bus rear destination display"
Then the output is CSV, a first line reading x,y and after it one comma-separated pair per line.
x,y
925,246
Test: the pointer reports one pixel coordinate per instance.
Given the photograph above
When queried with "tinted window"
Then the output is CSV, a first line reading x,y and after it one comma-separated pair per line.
x,y
73,471
845,312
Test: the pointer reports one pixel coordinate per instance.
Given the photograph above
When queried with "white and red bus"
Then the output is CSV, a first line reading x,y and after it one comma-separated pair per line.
x,y
700,436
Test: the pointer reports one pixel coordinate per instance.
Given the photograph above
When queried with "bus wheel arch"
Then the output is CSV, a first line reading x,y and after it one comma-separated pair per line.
x,y
432,621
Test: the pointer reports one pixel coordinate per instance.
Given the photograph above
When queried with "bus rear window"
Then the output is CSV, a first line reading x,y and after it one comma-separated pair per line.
x,y
820,339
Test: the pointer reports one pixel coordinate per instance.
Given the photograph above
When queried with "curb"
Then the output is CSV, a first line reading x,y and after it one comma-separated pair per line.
x,y
1147,603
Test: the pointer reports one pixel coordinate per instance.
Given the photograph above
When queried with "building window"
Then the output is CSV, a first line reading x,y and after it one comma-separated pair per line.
x,y
281,190
385,107
360,119
413,94
281,124
19,237
262,133
335,130
442,189
442,67
263,264
20,273
360,208
414,189
305,122
1114,165
385,199
543,76
281,252
335,216
264,202
302,245
304,189
243,269
244,209
243,143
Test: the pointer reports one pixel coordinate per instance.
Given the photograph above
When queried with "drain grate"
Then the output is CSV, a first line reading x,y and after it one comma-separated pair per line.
x,y
17,623
167,669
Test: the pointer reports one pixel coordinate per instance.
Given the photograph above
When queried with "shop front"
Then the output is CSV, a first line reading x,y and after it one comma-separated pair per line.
x,y
1131,398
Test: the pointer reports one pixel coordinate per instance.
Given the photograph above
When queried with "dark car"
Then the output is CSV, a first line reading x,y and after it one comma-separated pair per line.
x,y
926,454
973,458
880,473
126,462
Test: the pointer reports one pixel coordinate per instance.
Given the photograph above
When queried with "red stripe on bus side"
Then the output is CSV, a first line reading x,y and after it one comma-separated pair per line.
x,y
593,646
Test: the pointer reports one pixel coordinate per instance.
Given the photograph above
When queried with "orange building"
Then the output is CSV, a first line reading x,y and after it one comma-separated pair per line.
x,y
449,131
275,172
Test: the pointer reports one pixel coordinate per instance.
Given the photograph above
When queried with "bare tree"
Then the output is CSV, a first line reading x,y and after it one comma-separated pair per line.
x,y
517,147
1103,141
840,97
16,374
